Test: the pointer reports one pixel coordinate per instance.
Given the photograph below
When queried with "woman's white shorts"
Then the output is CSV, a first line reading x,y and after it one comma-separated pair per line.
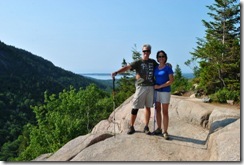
x,y
163,97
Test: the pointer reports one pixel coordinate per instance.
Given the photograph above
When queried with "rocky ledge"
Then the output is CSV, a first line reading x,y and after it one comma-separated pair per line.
x,y
198,132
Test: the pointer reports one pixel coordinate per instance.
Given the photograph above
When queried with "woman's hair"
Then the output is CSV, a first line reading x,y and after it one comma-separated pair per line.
x,y
161,51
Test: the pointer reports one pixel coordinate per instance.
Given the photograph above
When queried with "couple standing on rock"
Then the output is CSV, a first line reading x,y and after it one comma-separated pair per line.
x,y
151,77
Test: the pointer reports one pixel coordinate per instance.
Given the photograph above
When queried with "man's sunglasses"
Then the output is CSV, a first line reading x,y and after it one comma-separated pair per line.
x,y
144,51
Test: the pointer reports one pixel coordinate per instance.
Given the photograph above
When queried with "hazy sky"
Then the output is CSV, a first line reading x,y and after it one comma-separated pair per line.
x,y
93,36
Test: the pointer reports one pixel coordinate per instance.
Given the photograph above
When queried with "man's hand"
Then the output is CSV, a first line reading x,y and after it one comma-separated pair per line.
x,y
114,74
168,64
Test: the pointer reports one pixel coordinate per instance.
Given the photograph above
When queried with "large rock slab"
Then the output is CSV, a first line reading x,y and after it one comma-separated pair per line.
x,y
221,117
73,147
225,144
191,110
198,132
142,147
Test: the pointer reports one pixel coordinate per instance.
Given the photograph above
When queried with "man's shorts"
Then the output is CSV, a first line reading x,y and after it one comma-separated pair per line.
x,y
143,97
163,97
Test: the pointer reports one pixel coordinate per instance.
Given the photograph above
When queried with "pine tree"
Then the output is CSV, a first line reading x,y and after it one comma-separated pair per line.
x,y
124,63
218,54
136,55
126,85
180,83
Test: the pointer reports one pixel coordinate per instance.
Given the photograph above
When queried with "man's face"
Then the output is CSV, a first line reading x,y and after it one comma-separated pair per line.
x,y
146,52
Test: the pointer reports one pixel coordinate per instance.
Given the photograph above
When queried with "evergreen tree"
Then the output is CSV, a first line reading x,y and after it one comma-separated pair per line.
x,y
126,85
136,55
180,83
124,63
218,54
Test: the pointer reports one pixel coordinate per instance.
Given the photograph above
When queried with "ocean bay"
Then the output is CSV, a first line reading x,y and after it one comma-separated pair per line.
x,y
107,76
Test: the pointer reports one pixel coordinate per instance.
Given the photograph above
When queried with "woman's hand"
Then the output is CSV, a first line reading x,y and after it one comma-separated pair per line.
x,y
157,86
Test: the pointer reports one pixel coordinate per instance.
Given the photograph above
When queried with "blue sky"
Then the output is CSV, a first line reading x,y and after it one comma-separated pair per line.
x,y
93,36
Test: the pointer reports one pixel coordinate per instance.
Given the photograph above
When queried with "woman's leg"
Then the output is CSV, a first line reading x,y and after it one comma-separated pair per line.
x,y
165,117
158,115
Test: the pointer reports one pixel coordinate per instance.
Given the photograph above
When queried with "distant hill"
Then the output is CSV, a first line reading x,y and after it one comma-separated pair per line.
x,y
21,66
24,77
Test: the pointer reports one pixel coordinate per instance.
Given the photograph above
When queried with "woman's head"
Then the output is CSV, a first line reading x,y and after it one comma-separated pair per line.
x,y
162,54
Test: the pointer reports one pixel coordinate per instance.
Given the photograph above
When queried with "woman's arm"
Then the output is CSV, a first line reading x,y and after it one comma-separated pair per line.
x,y
168,83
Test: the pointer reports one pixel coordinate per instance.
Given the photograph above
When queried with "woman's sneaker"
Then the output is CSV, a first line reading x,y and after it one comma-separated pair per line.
x,y
131,130
166,136
158,131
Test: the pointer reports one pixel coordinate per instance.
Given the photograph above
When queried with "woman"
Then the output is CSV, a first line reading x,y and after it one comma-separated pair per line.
x,y
163,79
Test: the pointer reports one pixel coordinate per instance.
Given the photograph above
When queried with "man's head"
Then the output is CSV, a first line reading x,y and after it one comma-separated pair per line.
x,y
146,50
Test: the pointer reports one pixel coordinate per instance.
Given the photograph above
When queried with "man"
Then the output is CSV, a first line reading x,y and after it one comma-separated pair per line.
x,y
144,86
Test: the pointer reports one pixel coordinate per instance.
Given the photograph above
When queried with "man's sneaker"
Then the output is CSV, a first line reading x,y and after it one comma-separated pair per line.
x,y
146,130
166,136
158,131
131,130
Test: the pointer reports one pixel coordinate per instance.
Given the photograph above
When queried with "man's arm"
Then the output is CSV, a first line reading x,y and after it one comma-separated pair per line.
x,y
125,68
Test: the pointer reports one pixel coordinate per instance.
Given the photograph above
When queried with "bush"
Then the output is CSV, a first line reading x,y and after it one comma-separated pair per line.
x,y
225,94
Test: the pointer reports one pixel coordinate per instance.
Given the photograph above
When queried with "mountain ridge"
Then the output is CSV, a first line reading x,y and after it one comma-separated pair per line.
x,y
15,61
25,78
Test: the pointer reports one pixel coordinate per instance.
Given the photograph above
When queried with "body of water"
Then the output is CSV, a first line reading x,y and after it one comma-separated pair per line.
x,y
107,76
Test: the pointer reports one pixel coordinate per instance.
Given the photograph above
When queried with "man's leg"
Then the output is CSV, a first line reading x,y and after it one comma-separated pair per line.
x,y
133,116
147,115
147,118
132,121
149,97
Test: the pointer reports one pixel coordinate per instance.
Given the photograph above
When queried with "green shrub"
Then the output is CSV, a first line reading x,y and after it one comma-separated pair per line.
x,y
225,94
